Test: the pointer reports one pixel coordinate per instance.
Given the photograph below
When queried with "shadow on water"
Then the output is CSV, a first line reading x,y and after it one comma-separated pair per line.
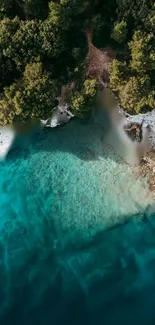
x,y
109,281
89,139
83,138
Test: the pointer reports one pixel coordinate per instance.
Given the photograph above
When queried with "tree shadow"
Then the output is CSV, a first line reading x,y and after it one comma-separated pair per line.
x,y
83,138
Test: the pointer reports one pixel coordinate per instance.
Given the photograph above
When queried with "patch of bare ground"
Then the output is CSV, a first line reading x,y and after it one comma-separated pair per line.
x,y
98,61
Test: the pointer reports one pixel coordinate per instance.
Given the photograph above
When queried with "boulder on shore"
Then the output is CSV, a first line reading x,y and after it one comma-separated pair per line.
x,y
146,121
134,131
133,127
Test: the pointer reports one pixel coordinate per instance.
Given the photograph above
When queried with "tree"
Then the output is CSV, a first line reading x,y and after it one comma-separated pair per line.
x,y
35,9
142,52
8,28
83,99
33,95
26,43
132,96
23,41
118,70
150,21
134,80
65,12
7,112
119,32
134,12
52,40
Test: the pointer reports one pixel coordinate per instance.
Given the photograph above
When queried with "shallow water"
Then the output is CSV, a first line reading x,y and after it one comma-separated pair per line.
x,y
73,244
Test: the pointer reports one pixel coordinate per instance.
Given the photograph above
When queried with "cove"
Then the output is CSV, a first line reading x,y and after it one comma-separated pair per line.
x,y
75,247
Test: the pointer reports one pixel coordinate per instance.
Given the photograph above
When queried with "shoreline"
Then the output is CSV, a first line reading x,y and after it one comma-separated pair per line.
x,y
61,115
146,167
7,136
8,133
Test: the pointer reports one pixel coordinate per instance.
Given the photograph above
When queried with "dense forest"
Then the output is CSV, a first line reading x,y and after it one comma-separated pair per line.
x,y
74,48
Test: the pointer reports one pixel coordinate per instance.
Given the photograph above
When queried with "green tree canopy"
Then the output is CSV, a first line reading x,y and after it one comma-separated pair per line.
x,y
35,9
134,80
48,38
142,52
32,96
82,99
119,32
24,40
134,12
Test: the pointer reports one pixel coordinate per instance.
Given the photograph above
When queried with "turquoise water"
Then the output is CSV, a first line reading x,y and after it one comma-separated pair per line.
x,y
74,248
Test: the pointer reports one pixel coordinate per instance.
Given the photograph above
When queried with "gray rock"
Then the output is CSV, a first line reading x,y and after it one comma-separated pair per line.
x,y
60,115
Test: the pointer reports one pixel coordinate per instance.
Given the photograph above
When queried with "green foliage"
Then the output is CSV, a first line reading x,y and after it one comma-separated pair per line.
x,y
52,39
59,16
32,96
151,99
8,27
7,112
36,9
137,95
83,100
119,32
19,40
79,13
23,41
64,13
90,87
150,22
118,70
135,12
142,52
44,40
132,96
5,6
133,80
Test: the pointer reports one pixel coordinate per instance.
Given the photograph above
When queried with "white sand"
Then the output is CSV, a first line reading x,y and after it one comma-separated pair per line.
x,y
7,136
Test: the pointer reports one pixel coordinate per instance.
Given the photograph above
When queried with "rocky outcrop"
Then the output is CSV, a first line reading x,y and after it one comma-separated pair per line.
x,y
146,121
60,115
133,127
134,131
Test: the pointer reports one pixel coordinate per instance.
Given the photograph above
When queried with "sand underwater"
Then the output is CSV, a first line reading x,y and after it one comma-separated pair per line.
x,y
77,241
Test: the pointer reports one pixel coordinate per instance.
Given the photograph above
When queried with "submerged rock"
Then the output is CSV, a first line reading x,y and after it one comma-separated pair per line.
x,y
88,154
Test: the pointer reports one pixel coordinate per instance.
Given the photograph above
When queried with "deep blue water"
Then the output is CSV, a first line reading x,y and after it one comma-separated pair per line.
x,y
75,247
